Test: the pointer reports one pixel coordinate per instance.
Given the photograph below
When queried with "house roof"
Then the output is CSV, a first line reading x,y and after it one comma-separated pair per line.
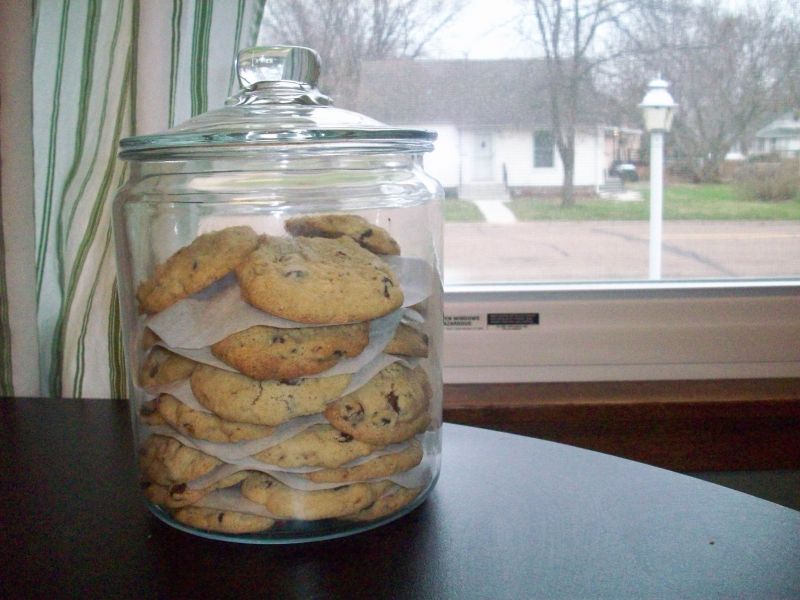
x,y
509,92
787,125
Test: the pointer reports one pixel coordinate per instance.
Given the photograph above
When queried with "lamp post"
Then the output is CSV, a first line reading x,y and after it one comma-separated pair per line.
x,y
658,108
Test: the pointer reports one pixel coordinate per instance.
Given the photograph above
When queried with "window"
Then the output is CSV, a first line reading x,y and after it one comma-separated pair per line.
x,y
543,148
571,245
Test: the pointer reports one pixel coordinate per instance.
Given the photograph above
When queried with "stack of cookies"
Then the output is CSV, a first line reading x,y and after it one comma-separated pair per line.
x,y
308,415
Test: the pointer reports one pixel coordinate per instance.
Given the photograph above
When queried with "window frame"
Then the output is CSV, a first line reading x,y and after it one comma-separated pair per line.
x,y
551,149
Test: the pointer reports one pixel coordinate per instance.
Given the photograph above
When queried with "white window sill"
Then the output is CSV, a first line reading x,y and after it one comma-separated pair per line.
x,y
623,331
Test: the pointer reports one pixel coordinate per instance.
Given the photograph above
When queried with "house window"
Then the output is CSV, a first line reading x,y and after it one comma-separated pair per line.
x,y
543,149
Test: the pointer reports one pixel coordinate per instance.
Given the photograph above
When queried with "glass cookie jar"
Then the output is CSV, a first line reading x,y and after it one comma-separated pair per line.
x,y
279,268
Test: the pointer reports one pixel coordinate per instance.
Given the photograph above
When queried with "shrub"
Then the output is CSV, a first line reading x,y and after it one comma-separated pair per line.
x,y
770,182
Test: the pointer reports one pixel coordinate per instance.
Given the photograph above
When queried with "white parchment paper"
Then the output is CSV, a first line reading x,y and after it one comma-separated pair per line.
x,y
231,452
381,332
231,499
251,464
290,476
219,310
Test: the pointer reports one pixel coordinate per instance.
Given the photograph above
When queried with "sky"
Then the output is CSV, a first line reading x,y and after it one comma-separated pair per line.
x,y
485,29
489,29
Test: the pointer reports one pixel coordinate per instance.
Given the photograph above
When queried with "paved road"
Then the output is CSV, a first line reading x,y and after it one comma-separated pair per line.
x,y
617,250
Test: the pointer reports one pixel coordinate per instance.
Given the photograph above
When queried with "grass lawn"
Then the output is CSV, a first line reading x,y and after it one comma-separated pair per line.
x,y
681,202
461,211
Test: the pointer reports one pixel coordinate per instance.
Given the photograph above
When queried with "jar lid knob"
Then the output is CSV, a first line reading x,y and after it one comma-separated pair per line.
x,y
277,63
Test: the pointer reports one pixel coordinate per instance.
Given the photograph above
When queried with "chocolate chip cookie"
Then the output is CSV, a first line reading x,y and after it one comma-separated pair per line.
x,y
263,352
239,398
391,407
221,521
318,281
162,367
165,461
288,503
373,238
318,446
207,259
391,501
177,495
380,466
408,341
197,424
167,466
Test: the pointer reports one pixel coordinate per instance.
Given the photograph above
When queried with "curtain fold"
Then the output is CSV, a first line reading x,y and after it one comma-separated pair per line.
x,y
83,74
189,49
19,372
6,364
104,70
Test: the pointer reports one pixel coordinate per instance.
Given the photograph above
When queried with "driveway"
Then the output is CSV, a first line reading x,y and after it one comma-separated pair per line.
x,y
617,250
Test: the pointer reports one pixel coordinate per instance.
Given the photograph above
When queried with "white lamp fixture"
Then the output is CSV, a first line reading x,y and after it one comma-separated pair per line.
x,y
658,108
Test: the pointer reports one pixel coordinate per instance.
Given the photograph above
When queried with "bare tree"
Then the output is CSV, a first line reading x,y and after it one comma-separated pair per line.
x,y
345,32
576,39
729,72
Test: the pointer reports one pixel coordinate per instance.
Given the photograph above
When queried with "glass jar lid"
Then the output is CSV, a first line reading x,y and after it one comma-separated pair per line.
x,y
279,106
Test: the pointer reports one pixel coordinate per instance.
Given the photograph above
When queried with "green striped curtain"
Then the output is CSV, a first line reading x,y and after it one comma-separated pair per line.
x,y
103,70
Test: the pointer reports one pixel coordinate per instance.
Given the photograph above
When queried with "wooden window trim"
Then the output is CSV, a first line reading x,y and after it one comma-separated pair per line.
x,y
736,424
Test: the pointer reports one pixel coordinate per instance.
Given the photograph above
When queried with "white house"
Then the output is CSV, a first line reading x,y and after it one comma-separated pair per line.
x,y
493,123
780,137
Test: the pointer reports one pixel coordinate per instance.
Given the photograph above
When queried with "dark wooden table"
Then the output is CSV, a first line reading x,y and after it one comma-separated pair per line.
x,y
511,517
